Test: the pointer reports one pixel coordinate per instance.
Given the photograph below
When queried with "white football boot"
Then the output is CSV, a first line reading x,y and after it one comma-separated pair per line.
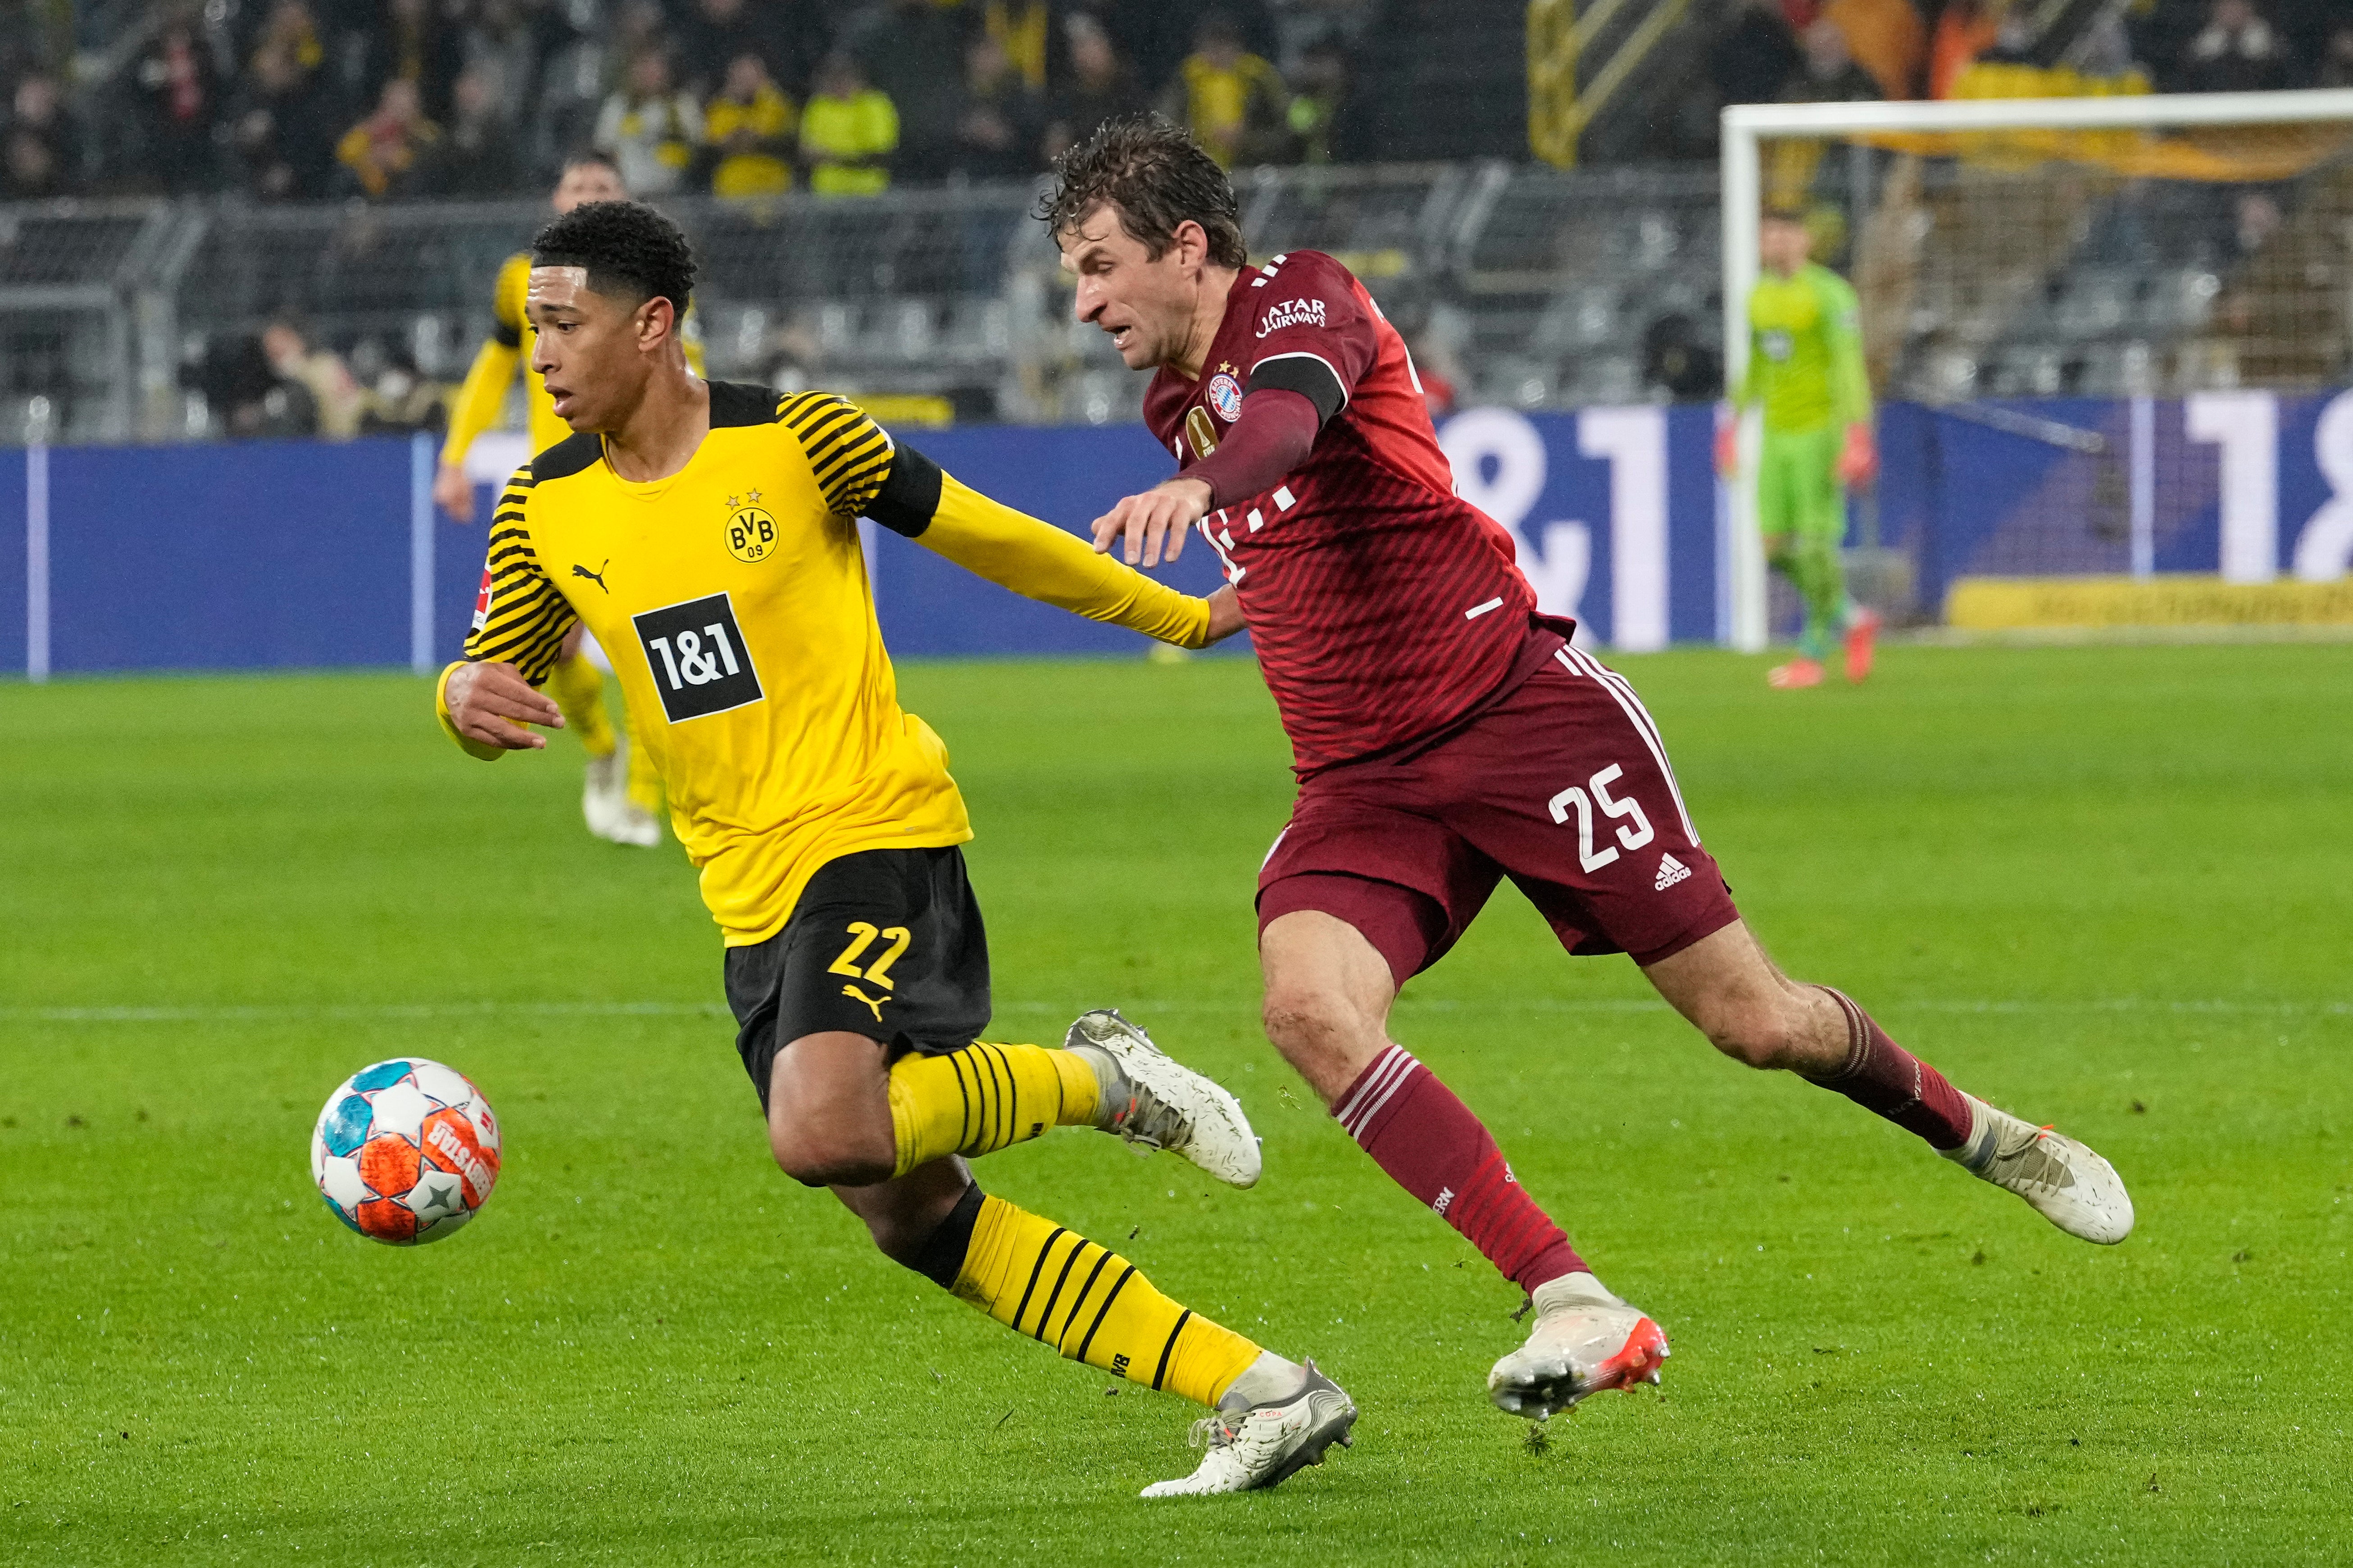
x,y
1261,1444
2067,1184
1156,1102
604,792
636,826
1585,1342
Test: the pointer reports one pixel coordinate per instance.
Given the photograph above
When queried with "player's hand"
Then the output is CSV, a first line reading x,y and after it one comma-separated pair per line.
x,y
1728,449
490,704
1153,523
1225,616
453,492
1858,461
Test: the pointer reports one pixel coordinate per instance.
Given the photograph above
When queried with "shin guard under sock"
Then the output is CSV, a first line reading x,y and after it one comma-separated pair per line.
x,y
1885,1078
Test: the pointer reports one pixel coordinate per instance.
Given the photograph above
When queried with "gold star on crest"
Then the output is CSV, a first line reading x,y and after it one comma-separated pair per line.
x,y
733,503
753,498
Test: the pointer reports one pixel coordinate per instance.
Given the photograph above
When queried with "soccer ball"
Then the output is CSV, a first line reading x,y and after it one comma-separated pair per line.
x,y
406,1151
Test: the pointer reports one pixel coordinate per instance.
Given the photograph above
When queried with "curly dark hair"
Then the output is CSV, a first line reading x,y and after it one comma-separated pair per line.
x,y
628,248
1157,176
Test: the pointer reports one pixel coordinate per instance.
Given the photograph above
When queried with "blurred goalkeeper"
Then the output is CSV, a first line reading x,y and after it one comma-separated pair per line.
x,y
621,797
706,533
1805,367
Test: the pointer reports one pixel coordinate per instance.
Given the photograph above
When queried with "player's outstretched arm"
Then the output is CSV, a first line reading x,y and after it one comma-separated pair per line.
x,y
1034,559
485,707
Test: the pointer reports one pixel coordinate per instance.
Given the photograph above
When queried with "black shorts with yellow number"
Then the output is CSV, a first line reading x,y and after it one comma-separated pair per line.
x,y
885,942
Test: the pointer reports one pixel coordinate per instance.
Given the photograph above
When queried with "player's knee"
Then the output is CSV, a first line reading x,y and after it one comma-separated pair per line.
x,y
1757,1033
823,1156
1319,1033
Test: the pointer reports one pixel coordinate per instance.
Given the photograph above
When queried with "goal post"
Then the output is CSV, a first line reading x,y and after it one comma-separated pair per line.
x,y
2070,136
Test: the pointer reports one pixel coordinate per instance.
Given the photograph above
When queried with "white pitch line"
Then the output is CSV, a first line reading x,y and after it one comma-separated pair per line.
x,y
399,1012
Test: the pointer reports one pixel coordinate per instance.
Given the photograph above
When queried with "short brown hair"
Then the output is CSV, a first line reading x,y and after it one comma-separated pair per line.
x,y
1157,178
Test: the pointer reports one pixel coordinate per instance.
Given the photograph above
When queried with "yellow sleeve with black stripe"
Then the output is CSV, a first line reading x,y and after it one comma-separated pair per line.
x,y
522,620
483,397
863,474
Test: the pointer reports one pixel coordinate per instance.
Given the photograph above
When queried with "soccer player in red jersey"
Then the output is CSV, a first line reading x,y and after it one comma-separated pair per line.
x,y
1446,736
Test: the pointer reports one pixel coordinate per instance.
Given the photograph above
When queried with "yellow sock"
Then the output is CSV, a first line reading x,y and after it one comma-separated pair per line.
x,y
578,688
1092,1305
645,787
985,1097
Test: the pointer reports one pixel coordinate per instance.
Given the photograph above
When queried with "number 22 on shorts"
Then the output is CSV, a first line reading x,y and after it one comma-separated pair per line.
x,y
1613,807
863,934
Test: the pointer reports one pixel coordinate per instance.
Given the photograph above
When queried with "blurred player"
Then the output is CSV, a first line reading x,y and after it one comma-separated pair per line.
x,y
706,534
1447,736
1805,365
621,799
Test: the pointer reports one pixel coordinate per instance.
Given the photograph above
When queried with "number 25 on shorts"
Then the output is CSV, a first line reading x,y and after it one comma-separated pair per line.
x,y
1575,795
863,935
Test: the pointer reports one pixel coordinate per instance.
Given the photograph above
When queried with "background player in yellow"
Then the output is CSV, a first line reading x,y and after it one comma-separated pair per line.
x,y
621,797
1805,366
707,535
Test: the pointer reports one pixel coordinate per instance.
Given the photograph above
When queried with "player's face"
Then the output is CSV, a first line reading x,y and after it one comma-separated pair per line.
x,y
586,182
589,348
1783,246
1144,304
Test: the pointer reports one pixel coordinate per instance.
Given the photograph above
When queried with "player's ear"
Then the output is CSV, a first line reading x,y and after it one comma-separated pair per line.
x,y
656,322
1192,242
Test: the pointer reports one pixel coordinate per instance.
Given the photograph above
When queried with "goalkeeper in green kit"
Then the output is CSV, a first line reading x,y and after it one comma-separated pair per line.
x,y
1805,366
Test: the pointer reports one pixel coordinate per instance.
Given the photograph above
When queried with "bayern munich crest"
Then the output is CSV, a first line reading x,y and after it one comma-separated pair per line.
x,y
1226,396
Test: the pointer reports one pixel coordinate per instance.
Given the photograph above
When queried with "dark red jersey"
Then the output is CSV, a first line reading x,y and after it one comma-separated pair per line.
x,y
1383,605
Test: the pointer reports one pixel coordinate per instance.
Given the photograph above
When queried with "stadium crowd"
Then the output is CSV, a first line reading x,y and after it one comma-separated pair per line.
x,y
1846,51
384,100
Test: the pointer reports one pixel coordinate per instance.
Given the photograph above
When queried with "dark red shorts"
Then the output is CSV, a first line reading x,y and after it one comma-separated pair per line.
x,y
1563,785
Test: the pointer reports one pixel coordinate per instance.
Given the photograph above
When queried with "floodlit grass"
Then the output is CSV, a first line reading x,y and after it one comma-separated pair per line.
x,y
2104,887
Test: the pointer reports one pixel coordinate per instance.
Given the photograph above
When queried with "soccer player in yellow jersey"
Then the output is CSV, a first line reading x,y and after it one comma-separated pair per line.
x,y
706,534
622,793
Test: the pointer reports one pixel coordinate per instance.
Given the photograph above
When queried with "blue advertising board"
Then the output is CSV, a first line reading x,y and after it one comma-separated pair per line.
x,y
289,555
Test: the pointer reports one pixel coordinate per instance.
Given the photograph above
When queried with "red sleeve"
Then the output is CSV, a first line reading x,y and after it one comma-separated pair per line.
x,y
1310,330
1273,436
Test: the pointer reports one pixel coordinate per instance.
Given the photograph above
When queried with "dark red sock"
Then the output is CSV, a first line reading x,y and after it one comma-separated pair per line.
x,y
1432,1146
1882,1076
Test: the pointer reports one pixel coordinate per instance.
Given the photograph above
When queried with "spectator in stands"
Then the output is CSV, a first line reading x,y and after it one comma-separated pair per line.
x,y
1024,31
1232,101
911,54
511,39
998,121
1319,102
2237,51
849,131
716,34
649,129
1098,86
477,156
282,125
411,41
179,87
42,155
1757,54
2336,58
391,152
395,400
1828,74
750,127
335,395
248,396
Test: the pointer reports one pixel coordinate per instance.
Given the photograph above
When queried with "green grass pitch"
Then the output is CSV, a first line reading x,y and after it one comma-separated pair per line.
x,y
2104,887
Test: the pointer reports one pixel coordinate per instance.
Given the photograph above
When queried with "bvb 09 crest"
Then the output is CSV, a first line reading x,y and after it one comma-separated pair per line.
x,y
751,533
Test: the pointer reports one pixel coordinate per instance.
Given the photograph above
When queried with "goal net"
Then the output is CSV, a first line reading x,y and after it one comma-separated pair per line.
x,y
2110,336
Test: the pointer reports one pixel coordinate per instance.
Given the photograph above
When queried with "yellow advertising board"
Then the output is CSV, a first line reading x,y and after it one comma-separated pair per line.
x,y
2032,603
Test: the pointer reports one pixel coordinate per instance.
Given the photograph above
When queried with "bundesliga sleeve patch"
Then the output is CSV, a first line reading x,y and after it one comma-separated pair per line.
x,y
696,652
482,601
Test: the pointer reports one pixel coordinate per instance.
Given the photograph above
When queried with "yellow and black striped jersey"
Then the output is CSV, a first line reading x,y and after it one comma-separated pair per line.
x,y
734,600
483,399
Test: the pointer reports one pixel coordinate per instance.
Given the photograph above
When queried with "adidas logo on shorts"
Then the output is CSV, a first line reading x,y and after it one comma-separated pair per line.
x,y
1671,871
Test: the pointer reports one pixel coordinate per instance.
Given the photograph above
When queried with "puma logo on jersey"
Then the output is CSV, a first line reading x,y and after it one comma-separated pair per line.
x,y
597,576
1291,314
1671,871
873,1001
